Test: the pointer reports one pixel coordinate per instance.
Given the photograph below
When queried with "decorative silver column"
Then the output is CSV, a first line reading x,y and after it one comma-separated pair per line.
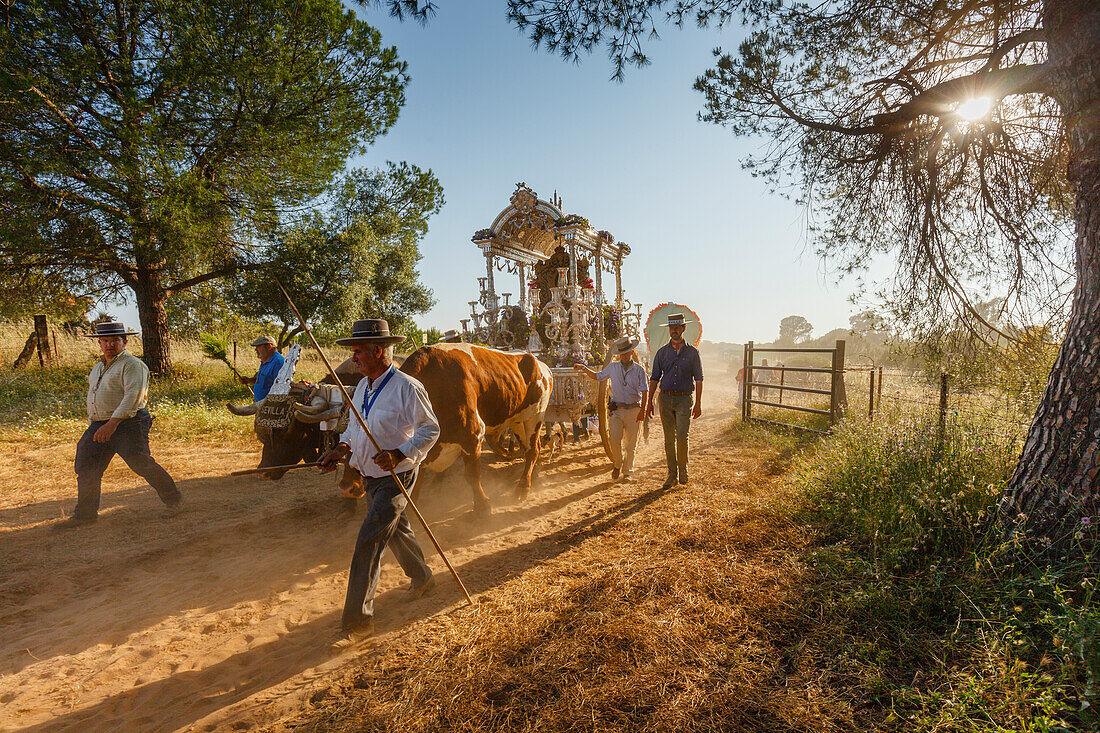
x,y
490,287
522,287
619,283
598,265
573,262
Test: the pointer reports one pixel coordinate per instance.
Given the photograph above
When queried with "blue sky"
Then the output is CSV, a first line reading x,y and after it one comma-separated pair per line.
x,y
486,111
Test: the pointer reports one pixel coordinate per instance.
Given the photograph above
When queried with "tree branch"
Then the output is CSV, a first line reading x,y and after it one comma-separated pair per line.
x,y
941,99
213,274
66,120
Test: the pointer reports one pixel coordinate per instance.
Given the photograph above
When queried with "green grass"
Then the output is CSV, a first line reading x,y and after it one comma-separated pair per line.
x,y
919,610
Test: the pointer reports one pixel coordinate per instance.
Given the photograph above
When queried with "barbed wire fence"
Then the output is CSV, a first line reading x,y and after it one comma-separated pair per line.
x,y
874,393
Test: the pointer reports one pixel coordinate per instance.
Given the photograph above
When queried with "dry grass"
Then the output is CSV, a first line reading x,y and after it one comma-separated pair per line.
x,y
664,617
46,405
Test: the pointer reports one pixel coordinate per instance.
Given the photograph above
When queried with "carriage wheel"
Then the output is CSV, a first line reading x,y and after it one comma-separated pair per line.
x,y
602,413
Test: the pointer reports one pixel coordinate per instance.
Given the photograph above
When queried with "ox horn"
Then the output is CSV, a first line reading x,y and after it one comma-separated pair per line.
x,y
317,403
246,410
329,414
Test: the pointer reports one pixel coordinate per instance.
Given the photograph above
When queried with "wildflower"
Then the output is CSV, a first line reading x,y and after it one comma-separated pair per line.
x,y
1085,521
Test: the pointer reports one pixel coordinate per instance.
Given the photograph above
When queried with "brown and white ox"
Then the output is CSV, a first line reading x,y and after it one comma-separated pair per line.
x,y
475,392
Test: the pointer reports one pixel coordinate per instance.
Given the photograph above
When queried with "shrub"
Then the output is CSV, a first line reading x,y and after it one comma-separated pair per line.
x,y
922,608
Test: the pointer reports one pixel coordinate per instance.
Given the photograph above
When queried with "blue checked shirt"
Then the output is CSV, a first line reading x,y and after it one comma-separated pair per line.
x,y
627,382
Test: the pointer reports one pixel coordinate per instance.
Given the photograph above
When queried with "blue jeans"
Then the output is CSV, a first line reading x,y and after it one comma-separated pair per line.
x,y
676,421
386,524
131,441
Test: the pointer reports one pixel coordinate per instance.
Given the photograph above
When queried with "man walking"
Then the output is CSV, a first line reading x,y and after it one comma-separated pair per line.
x,y
271,361
628,393
678,370
400,417
118,389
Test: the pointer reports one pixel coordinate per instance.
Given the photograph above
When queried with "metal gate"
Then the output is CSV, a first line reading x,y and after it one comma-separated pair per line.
x,y
838,401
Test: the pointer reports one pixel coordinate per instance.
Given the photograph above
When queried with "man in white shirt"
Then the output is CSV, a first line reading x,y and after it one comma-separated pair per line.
x,y
629,387
118,388
401,419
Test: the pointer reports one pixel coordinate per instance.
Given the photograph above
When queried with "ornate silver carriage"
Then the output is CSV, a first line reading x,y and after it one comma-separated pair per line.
x,y
562,314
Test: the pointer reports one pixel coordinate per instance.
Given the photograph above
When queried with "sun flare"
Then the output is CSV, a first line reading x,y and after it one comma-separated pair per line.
x,y
974,109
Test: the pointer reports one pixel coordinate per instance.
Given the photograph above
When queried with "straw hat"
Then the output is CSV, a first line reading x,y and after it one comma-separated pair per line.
x,y
622,345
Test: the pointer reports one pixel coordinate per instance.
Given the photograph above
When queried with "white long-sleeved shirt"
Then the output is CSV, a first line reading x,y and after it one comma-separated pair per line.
x,y
118,389
401,417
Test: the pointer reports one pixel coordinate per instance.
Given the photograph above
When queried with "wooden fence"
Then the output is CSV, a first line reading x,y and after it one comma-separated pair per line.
x,y
755,375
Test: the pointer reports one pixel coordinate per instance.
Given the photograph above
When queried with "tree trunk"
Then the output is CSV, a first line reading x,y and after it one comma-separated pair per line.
x,y
25,354
151,297
1057,479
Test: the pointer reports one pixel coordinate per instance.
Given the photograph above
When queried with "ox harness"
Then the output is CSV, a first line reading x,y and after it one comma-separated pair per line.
x,y
277,413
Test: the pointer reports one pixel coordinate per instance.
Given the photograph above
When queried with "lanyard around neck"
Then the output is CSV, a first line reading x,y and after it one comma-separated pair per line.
x,y
372,394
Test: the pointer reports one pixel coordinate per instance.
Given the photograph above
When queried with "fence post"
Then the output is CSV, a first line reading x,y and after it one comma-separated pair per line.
x,y
42,336
943,403
879,394
782,381
838,398
56,351
871,397
746,384
234,354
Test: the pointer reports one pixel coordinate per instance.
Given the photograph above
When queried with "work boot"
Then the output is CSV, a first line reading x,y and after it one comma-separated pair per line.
x,y
347,639
416,591
684,476
74,522
615,473
669,482
173,510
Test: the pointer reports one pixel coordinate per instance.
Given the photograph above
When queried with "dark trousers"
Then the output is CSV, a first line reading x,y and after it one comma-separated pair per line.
x,y
131,441
676,422
386,524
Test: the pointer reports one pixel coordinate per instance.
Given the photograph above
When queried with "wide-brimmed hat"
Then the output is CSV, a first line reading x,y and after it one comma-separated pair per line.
x,y
622,345
371,330
676,319
264,340
109,329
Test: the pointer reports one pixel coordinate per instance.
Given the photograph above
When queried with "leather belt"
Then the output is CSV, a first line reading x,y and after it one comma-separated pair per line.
x,y
671,393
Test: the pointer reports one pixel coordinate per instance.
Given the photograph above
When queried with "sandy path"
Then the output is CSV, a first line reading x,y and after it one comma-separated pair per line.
x,y
220,617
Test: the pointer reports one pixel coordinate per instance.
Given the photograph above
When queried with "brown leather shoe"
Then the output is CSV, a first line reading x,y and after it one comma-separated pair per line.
x,y
416,591
348,639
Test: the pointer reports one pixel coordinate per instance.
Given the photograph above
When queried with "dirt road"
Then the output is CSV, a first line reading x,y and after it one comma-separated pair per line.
x,y
219,618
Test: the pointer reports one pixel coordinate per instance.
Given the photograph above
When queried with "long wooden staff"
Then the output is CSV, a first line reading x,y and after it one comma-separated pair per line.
x,y
363,424
286,467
